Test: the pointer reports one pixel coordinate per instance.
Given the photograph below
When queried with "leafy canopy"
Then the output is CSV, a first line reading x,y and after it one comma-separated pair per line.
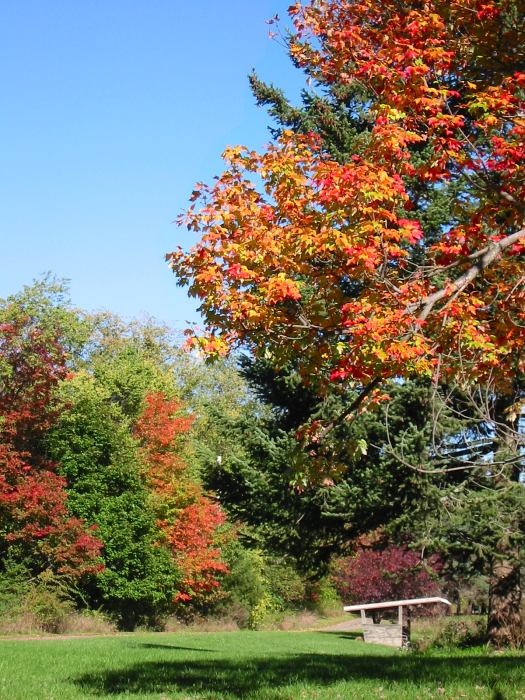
x,y
305,257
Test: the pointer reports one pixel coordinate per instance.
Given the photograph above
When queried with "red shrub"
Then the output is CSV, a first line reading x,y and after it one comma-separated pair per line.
x,y
395,573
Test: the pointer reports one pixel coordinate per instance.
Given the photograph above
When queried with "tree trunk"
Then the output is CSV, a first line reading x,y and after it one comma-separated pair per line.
x,y
505,623
456,599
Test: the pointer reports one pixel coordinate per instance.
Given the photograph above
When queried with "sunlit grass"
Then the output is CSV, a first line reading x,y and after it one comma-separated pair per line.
x,y
251,665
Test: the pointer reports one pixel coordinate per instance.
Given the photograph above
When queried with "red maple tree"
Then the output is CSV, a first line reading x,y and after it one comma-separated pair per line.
x,y
328,264
304,257
189,520
33,499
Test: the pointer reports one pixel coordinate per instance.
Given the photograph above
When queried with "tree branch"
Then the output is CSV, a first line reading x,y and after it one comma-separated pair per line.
x,y
353,406
484,258
490,254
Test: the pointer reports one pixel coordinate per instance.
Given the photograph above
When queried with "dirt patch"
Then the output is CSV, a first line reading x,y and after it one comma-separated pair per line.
x,y
351,625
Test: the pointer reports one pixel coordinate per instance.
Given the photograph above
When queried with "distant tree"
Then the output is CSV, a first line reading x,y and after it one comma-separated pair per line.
x,y
375,576
190,521
36,524
99,458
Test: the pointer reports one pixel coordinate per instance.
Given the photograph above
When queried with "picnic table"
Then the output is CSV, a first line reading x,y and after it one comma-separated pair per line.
x,y
394,634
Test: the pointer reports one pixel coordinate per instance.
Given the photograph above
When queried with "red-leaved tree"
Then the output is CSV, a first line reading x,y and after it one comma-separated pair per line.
x,y
33,499
394,573
190,521
327,263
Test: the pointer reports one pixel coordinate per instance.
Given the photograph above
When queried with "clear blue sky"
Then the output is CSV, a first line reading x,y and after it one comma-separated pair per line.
x,y
111,111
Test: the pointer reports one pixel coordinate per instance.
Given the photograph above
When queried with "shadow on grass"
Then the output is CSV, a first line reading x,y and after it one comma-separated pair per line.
x,y
249,676
355,635
174,647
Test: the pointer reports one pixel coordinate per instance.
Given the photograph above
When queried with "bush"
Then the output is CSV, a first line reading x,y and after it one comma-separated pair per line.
x,y
284,584
49,610
323,597
49,606
283,590
264,611
44,605
244,586
14,585
259,588
394,573
49,603
461,633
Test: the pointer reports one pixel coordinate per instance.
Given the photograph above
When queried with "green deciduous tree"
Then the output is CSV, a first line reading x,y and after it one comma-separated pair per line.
x,y
99,458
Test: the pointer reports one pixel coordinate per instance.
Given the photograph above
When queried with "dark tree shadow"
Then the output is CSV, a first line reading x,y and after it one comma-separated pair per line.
x,y
245,678
356,635
174,647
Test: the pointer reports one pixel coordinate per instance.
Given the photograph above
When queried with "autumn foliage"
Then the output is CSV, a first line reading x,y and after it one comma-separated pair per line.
x,y
161,429
317,253
374,576
33,500
328,263
190,522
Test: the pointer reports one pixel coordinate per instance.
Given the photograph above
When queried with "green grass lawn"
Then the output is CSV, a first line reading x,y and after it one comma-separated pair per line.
x,y
252,665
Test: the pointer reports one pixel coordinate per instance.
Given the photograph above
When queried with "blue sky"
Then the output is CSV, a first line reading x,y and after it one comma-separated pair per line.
x,y
112,110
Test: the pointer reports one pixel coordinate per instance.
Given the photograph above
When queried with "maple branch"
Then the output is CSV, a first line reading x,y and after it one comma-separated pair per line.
x,y
353,406
486,258
510,198
460,450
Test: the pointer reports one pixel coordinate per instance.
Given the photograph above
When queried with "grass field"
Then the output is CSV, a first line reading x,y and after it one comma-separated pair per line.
x,y
251,665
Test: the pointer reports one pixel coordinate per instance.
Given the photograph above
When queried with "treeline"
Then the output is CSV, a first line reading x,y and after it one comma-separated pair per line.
x,y
112,445
142,483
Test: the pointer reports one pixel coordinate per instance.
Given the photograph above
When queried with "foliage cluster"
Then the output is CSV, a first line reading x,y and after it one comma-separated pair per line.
x,y
395,573
131,433
97,495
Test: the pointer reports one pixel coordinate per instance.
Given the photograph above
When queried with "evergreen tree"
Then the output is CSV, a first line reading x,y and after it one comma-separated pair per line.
x,y
337,113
